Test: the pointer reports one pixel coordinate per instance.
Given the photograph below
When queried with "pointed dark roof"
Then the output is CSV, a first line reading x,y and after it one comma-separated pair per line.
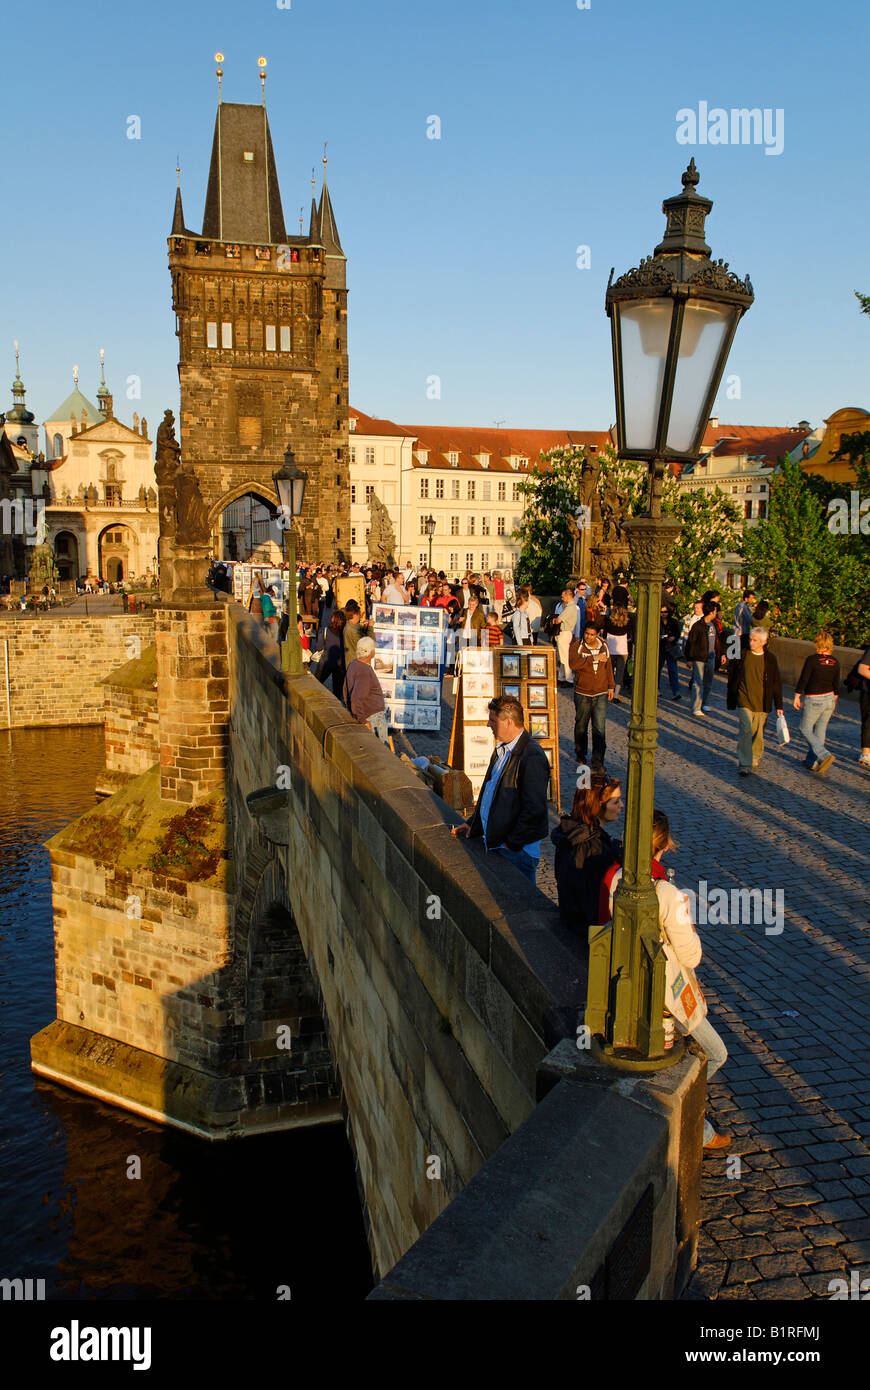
x,y
314,225
178,217
243,200
326,223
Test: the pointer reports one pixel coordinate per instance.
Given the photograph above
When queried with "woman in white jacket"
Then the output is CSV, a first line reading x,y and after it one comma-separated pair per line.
x,y
675,917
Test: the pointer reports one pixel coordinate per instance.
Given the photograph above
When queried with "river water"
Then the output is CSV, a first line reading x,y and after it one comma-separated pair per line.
x,y
232,1220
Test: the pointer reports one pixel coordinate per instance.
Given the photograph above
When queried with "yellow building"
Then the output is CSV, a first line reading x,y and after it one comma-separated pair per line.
x,y
822,456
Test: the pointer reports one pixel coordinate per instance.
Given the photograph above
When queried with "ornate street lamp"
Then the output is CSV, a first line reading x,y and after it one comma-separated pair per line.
x,y
429,528
673,321
290,486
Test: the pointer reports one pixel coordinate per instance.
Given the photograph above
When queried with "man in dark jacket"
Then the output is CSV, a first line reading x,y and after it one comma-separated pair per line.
x,y
511,811
700,649
754,685
593,688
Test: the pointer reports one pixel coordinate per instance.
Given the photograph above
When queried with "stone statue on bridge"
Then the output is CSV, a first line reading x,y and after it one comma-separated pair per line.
x,y
382,537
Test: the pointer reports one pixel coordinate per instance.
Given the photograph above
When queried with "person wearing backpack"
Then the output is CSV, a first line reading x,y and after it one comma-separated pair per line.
x,y
685,950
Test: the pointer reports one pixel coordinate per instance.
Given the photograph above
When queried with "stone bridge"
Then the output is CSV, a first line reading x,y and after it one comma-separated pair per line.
x,y
269,924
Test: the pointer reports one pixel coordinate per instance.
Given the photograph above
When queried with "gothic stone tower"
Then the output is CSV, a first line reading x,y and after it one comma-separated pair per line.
x,y
261,319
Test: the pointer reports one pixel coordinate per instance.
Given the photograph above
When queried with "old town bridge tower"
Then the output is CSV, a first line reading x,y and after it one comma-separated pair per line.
x,y
261,319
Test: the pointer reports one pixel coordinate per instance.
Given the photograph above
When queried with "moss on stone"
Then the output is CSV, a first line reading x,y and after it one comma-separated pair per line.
x,y
135,829
138,674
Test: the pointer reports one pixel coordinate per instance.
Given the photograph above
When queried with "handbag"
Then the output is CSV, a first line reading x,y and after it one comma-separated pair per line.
x,y
782,732
684,998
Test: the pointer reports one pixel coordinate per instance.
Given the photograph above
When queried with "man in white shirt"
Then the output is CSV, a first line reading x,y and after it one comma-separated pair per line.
x,y
393,591
568,613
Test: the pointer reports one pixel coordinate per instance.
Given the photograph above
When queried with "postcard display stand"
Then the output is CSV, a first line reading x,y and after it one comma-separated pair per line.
x,y
528,673
410,645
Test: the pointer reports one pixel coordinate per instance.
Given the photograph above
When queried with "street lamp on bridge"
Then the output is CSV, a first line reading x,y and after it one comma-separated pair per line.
x,y
429,528
673,320
290,486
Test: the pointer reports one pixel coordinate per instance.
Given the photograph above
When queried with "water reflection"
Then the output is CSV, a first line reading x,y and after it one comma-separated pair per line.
x,y
223,1220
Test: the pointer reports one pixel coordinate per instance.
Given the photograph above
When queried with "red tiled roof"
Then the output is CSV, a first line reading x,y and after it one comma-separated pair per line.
x,y
468,441
767,442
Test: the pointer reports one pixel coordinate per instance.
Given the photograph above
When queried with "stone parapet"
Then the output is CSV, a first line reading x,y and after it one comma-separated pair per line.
x,y
57,664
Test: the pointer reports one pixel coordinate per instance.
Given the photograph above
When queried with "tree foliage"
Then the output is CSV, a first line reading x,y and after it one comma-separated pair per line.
x,y
817,577
711,523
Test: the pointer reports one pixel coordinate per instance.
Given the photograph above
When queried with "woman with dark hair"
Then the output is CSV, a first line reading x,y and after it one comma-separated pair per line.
x,y
762,617
412,589
684,948
585,850
331,664
618,632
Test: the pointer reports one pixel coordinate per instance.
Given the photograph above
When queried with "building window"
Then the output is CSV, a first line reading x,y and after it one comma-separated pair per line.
x,y
421,560
484,460
484,560
762,509
453,459
471,490
370,453
484,525
423,521
285,337
370,487
747,509
502,492
470,530
270,337
454,561
516,493
499,526
211,335
439,487
58,446
469,559
424,487
499,560
454,487
226,335
389,456
454,526
353,535
423,456
352,493
486,492
351,424
734,489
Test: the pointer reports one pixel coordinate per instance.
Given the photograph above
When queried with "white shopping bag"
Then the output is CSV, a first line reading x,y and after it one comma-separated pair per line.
x,y
782,732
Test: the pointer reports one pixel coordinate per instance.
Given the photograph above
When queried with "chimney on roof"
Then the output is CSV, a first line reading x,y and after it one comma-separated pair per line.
x,y
714,422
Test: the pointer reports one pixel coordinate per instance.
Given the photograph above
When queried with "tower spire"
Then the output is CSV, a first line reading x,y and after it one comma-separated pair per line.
x,y
178,215
327,229
103,397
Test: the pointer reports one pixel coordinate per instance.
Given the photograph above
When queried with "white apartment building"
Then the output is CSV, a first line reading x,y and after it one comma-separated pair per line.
x,y
465,478
740,460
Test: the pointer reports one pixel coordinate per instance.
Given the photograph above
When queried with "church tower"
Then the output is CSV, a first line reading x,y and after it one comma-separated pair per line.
x,y
261,319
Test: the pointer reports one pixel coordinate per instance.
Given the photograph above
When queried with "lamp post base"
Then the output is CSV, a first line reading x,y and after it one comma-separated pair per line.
x,y
627,1059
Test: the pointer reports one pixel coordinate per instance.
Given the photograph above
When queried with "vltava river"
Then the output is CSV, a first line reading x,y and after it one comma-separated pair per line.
x,y
206,1221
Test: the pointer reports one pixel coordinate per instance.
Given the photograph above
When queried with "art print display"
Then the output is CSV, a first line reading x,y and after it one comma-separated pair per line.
x,y
474,708
536,697
537,668
477,659
510,667
387,689
479,685
512,690
410,647
539,725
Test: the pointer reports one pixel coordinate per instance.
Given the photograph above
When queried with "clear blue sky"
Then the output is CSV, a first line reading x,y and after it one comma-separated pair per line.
x,y
558,130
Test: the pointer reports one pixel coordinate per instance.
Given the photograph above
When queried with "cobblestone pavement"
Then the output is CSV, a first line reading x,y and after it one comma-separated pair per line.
x,y
793,1007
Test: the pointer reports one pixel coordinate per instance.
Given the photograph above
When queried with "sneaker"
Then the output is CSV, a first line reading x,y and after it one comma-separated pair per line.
x,y
699,714
825,763
706,709
744,771
678,696
719,1141
863,760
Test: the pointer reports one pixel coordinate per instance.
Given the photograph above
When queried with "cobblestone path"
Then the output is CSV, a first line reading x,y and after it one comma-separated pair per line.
x,y
793,1007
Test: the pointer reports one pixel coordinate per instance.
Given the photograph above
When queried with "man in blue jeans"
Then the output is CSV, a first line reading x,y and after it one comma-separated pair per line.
x,y
589,660
511,811
700,649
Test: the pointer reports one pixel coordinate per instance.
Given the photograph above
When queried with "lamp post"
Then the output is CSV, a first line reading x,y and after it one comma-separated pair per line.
x,y
429,528
290,486
673,320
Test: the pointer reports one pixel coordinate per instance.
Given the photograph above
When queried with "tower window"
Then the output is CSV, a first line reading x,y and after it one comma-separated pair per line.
x,y
226,335
270,337
211,335
285,337
248,156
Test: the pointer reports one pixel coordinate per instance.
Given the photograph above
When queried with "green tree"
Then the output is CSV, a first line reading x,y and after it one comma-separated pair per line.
x,y
711,523
864,301
816,577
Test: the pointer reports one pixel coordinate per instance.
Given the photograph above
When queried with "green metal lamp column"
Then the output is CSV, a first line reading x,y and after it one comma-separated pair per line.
x,y
634,1036
291,650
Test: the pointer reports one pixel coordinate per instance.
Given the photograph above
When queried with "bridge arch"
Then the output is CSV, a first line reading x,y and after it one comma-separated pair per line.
x,y
243,527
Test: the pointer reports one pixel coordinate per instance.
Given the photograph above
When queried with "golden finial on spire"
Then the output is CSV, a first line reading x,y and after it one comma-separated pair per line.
x,y
178,170
261,64
312,181
76,373
325,143
102,366
300,221
219,57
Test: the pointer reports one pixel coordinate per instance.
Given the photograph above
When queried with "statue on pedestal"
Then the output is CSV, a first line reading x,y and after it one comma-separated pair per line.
x,y
382,537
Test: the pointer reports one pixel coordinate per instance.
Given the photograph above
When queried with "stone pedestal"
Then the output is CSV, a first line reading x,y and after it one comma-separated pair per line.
x,y
193,697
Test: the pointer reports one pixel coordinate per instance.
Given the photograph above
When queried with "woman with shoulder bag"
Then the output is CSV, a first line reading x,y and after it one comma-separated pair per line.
x,y
684,1000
